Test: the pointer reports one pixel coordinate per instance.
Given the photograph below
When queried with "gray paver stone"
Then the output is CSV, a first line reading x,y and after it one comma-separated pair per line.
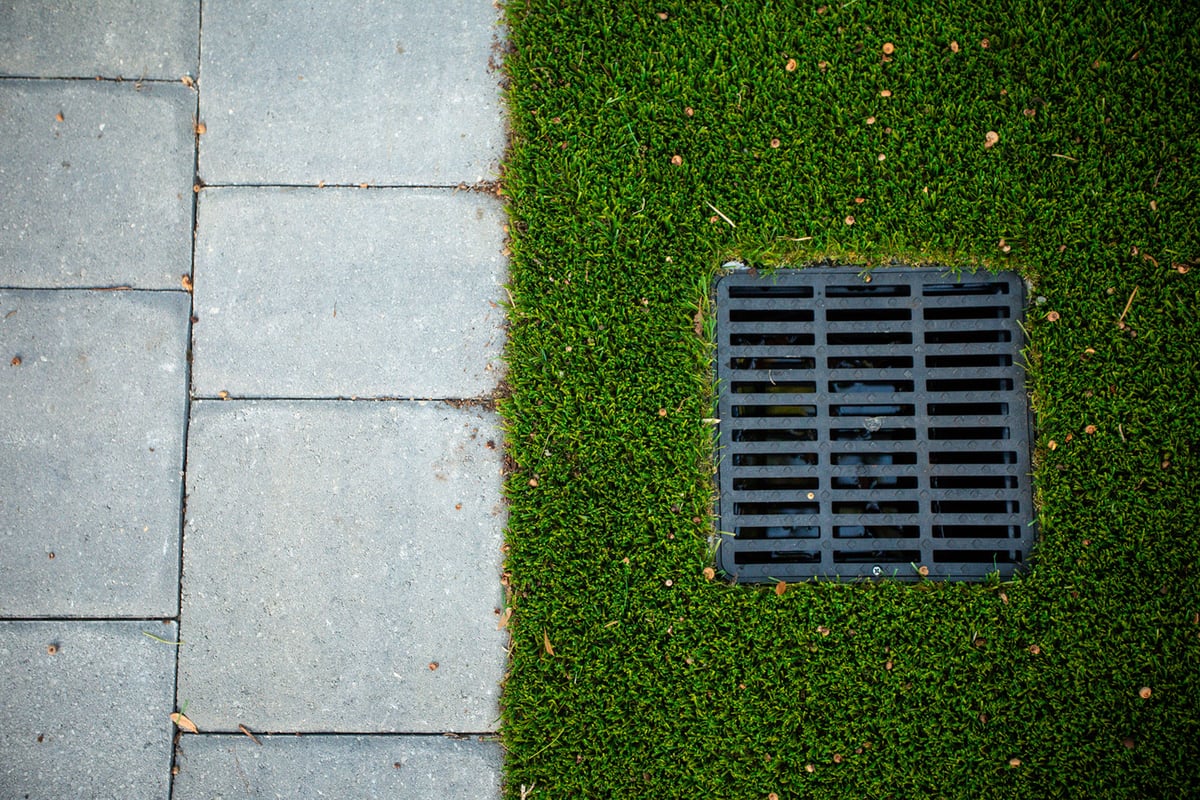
x,y
91,448
92,718
346,292
359,90
341,567
383,767
102,198
109,38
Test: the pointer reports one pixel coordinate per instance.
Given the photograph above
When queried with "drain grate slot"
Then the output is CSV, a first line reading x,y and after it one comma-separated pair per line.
x,y
867,427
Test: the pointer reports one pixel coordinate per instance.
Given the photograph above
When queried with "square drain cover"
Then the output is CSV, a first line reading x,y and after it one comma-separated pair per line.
x,y
871,426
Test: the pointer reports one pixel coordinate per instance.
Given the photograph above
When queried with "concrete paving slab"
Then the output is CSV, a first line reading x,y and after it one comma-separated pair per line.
x,y
367,767
102,197
85,709
360,90
109,38
348,292
341,567
93,392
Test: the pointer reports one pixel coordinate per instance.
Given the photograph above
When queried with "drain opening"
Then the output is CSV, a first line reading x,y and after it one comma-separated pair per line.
x,y
870,428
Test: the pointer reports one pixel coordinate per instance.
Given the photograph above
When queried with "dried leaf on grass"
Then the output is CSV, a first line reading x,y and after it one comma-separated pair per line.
x,y
546,644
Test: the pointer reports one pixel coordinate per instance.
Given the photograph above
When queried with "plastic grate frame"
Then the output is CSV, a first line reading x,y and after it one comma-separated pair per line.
x,y
872,424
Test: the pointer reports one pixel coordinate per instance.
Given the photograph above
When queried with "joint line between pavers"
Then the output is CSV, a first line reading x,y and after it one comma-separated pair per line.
x,y
88,79
118,288
187,405
60,618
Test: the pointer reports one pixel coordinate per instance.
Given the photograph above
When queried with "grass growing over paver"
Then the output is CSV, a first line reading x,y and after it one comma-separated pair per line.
x,y
651,143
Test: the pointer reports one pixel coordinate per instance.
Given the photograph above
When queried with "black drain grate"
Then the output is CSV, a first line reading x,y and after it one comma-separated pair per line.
x,y
872,425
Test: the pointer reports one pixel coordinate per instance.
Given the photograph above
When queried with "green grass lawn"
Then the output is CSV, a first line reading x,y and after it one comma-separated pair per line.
x,y
652,143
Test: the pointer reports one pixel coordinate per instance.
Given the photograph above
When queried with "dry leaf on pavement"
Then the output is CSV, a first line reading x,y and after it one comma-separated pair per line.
x,y
183,723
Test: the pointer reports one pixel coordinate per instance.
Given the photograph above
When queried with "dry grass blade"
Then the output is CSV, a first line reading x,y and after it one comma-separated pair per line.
x,y
732,224
1128,304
